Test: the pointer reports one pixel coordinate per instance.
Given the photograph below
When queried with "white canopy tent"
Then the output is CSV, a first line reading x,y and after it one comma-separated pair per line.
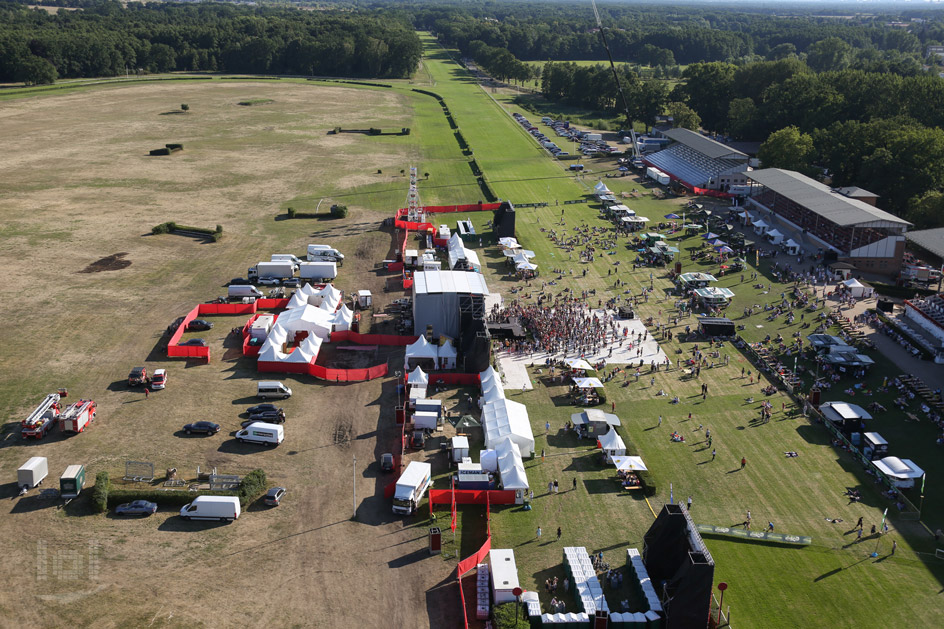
x,y
588,383
418,376
792,247
630,464
327,298
775,236
760,227
526,266
420,350
510,465
309,319
903,472
273,350
447,355
841,411
600,189
612,445
594,415
508,242
505,418
578,363
856,288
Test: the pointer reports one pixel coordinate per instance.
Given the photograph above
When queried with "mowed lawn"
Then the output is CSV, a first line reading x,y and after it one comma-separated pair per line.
x,y
831,583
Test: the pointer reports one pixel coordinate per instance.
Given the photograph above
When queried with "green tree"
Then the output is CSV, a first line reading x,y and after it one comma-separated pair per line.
x,y
742,118
683,116
709,87
927,210
827,54
787,148
33,70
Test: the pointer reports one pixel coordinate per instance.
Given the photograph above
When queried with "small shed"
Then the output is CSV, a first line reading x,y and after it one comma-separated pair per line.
x,y
425,420
504,574
460,448
364,299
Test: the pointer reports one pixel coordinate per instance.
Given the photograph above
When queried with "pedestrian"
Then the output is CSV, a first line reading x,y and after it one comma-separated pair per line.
x,y
147,394
885,529
660,420
743,462
558,533
556,487
859,523
859,535
575,483
550,487
539,532
742,372
894,546
531,495
542,455
547,427
689,503
873,530
713,453
614,407
770,527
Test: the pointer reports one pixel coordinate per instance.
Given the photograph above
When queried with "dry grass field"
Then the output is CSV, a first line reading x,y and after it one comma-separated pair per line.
x,y
78,187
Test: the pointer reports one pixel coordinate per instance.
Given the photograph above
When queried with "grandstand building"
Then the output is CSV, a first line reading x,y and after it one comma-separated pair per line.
x,y
822,218
700,163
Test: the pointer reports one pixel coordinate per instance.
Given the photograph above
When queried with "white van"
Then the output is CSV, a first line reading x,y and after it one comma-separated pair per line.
x,y
246,290
261,432
222,508
268,389
325,253
286,257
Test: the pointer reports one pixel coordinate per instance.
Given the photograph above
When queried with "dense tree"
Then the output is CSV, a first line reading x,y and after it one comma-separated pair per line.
x,y
683,115
787,148
709,87
927,210
831,53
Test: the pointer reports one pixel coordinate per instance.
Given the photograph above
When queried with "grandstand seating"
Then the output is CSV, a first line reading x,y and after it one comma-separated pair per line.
x,y
690,166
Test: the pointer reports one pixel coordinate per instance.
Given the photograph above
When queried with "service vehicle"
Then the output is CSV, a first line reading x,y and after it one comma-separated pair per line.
x,y
77,416
42,419
222,508
411,486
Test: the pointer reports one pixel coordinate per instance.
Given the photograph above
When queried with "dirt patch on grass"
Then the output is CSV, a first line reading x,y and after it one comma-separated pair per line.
x,y
114,262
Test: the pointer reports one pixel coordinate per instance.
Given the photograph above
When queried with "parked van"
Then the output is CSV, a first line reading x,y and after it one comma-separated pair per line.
x,y
244,291
261,432
222,508
286,257
325,253
268,389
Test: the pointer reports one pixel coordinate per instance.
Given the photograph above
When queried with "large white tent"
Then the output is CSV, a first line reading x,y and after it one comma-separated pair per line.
x,y
612,444
417,376
308,319
273,348
629,464
506,418
510,465
327,298
857,288
420,350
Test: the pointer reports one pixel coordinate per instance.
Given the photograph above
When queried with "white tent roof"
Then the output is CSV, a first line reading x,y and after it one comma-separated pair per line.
x,y
488,374
493,392
343,318
853,283
773,232
307,318
510,465
507,241
611,440
271,350
760,224
594,415
446,350
601,188
792,243
588,383
526,266
629,463
505,418
899,468
577,363
326,298
421,349
417,376
843,410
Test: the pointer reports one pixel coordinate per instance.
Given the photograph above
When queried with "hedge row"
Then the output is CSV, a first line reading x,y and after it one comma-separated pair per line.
x,y
172,227
252,487
100,492
367,83
474,165
428,93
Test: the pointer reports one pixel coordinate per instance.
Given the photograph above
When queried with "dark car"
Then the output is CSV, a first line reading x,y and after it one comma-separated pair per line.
x,y
418,439
268,416
205,427
138,507
193,343
173,326
386,462
259,408
239,281
274,496
137,376
199,324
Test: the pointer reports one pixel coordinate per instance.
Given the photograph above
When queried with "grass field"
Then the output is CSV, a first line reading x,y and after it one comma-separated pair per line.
x,y
832,583
79,187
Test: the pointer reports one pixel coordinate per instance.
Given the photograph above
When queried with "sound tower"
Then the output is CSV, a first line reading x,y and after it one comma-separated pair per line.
x,y
504,221
474,342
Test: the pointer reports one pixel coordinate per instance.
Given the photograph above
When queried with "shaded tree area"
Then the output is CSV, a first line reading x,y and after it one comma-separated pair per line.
x,y
106,39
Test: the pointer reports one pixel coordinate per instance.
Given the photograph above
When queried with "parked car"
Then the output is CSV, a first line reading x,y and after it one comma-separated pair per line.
x,y
173,326
268,281
137,507
208,428
159,379
273,417
274,496
259,408
292,282
199,324
418,439
386,462
193,343
239,281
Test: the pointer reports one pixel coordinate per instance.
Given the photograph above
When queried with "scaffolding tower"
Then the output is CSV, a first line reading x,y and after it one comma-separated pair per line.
x,y
415,213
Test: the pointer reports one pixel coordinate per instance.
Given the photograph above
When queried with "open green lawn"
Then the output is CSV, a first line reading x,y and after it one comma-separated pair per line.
x,y
833,582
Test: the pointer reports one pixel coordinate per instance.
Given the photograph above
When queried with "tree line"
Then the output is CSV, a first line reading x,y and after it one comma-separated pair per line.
x,y
106,39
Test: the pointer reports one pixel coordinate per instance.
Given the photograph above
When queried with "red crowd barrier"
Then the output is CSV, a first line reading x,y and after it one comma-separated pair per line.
x,y
174,350
188,351
455,378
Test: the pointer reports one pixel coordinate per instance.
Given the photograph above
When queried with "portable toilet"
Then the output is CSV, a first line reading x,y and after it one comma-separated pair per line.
x,y
460,448
72,481
364,299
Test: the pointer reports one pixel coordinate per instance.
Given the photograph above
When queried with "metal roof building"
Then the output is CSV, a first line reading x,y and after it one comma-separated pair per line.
x,y
697,161
440,297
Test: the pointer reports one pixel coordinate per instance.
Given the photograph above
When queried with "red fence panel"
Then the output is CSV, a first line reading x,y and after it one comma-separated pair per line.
x,y
472,496
471,561
455,378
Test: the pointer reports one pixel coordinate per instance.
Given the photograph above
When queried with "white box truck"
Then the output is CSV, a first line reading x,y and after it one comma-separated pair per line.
x,y
325,253
315,272
286,257
32,473
261,432
280,270
411,487
246,290
222,508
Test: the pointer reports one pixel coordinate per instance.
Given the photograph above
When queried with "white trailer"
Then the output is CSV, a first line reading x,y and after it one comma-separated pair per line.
x,y
32,473
411,486
286,257
425,420
77,416
315,272
280,269
593,137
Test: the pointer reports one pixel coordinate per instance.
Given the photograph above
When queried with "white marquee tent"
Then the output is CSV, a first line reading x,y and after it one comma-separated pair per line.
x,y
417,376
903,472
856,288
505,418
510,465
273,348
775,236
612,445
420,350
760,227
447,355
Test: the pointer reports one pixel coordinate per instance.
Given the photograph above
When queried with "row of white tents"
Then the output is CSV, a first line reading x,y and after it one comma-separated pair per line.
x,y
459,254
507,428
772,234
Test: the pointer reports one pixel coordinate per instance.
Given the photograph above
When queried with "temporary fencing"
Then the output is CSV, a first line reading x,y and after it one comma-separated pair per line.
x,y
174,350
372,339
462,379
478,557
